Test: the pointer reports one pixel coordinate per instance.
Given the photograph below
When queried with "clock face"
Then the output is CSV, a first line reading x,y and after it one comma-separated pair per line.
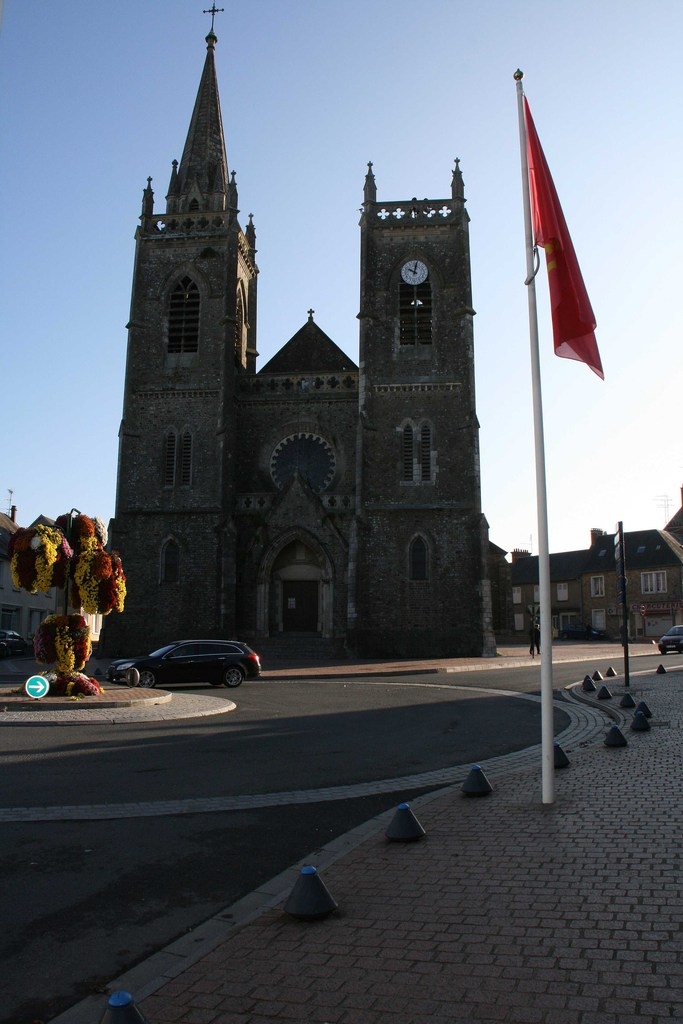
x,y
306,454
414,272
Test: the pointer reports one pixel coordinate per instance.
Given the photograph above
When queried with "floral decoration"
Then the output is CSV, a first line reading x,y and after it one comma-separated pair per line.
x,y
39,558
63,641
73,684
98,584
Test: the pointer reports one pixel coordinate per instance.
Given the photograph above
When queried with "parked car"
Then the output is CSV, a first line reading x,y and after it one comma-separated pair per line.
x,y
218,662
671,641
577,631
12,643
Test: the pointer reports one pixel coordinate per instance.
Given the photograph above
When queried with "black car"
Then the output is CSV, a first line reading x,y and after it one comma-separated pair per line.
x,y
671,641
218,662
12,643
577,631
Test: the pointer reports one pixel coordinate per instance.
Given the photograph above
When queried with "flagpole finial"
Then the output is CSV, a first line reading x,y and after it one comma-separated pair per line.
x,y
518,75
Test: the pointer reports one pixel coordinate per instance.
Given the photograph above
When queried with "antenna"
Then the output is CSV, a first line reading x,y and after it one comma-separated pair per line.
x,y
664,502
9,502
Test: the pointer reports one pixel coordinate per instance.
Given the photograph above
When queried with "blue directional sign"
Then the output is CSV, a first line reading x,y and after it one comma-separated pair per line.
x,y
36,687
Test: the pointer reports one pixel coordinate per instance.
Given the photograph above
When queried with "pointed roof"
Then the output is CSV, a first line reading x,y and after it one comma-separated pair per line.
x,y
204,165
310,350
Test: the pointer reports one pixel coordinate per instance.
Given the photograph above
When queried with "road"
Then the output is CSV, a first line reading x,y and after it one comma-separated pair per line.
x,y
86,899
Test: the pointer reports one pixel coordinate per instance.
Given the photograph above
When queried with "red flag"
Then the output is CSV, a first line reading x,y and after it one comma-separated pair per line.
x,y
573,317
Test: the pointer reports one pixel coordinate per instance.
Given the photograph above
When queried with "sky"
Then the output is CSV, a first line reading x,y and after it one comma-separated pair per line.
x,y
96,97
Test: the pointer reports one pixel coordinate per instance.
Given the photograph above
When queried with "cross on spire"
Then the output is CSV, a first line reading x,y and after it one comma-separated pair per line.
x,y
213,11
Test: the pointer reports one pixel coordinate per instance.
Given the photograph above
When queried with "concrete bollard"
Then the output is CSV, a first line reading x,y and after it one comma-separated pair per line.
x,y
615,737
661,671
642,706
610,672
627,701
588,685
640,722
310,898
560,758
604,693
404,826
597,677
476,783
121,1009
132,677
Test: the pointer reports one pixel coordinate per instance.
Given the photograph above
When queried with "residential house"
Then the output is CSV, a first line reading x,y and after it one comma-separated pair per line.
x,y
654,584
585,586
565,583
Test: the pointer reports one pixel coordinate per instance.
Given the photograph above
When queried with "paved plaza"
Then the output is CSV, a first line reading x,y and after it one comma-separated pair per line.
x,y
507,909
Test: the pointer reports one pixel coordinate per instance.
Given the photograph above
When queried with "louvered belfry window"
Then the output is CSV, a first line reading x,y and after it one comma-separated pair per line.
x,y
168,468
408,452
183,317
426,451
186,458
416,453
415,313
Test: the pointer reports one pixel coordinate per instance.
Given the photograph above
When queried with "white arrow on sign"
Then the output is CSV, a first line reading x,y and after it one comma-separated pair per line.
x,y
36,687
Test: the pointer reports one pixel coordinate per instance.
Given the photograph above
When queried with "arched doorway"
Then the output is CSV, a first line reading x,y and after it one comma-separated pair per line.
x,y
295,588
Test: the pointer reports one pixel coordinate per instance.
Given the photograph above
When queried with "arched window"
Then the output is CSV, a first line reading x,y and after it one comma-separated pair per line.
x,y
183,317
415,313
417,449
418,559
170,562
186,459
168,468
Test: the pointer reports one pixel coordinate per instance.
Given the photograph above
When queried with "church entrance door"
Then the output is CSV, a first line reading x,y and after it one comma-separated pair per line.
x,y
299,606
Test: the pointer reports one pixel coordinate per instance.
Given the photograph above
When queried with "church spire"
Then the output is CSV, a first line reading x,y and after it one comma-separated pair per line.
x,y
370,188
457,183
201,180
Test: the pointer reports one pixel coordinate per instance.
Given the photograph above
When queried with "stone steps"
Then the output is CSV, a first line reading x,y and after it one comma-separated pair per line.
x,y
292,649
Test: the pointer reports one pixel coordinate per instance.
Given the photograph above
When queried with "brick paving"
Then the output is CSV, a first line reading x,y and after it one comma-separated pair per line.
x,y
507,910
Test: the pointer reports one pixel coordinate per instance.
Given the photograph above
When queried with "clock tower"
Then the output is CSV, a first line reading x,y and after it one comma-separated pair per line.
x,y
418,568
311,499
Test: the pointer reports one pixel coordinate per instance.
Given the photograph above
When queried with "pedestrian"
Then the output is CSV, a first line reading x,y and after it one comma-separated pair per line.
x,y
534,639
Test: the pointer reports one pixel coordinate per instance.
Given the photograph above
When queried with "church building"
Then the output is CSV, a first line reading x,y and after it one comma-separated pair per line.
x,y
312,495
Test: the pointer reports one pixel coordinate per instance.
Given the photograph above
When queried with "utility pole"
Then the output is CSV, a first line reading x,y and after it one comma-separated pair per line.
x,y
620,564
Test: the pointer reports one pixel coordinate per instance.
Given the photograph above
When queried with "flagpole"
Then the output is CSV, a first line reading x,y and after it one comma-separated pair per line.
x,y
547,724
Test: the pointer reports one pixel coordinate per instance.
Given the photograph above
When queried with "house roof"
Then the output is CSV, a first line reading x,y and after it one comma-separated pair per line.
x,y
7,528
310,350
564,566
645,549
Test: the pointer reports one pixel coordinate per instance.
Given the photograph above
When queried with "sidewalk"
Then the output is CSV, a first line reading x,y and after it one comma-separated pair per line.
x,y
508,910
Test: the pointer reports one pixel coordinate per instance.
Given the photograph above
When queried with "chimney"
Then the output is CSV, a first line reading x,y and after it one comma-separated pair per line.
x,y
596,534
518,553
13,513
